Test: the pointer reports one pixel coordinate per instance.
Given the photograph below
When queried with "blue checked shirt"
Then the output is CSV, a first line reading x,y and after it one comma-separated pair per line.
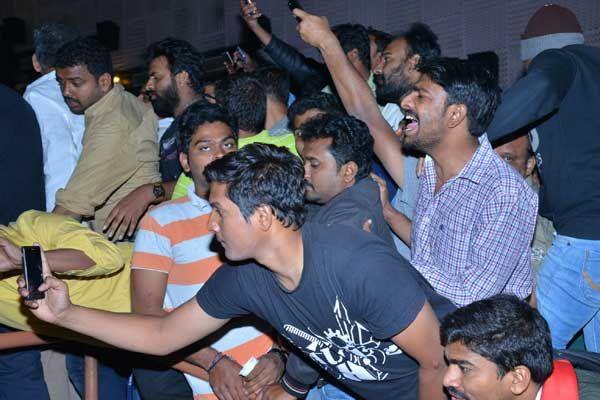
x,y
472,239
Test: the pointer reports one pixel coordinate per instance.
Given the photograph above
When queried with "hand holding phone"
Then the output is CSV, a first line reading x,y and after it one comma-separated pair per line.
x,y
32,270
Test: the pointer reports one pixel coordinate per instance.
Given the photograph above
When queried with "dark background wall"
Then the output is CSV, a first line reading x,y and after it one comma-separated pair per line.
x,y
463,26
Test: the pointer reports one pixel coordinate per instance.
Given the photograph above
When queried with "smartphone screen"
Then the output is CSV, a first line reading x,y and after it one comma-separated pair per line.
x,y
32,268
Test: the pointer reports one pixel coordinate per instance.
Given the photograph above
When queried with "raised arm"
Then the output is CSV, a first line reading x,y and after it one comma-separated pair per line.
x,y
354,92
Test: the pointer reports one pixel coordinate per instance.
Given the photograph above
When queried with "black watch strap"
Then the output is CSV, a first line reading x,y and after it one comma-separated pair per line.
x,y
158,190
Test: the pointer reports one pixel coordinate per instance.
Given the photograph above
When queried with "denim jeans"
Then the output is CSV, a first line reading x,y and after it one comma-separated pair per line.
x,y
328,392
113,371
568,291
21,374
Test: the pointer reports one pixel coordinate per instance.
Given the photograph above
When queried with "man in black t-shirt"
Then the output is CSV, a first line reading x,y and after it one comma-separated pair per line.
x,y
339,295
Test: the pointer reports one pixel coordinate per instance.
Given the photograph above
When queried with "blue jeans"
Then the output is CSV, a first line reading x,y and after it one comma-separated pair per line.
x,y
113,371
328,392
21,374
568,291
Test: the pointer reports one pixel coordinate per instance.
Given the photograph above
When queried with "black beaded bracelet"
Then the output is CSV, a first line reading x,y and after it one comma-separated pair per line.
x,y
215,361
280,353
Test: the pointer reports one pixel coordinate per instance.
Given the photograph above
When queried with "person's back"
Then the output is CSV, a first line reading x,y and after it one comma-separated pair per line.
x,y
558,99
21,165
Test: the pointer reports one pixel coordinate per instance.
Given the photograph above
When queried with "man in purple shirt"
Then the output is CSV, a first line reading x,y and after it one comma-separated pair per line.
x,y
475,216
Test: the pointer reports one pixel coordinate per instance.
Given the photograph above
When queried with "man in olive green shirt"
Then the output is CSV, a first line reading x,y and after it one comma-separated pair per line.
x,y
120,152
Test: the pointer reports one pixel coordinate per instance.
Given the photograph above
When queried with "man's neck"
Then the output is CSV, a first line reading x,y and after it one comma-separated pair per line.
x,y
201,189
184,103
284,256
276,111
450,158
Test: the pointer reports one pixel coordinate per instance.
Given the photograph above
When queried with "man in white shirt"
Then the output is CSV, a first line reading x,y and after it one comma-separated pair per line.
x,y
61,130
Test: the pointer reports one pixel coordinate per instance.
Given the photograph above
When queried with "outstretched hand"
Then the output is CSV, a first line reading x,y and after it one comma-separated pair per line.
x,y
56,295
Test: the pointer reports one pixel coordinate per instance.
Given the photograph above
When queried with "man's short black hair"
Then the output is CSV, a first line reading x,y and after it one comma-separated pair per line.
x,y
350,140
382,39
48,38
354,36
246,100
422,41
466,84
181,56
197,114
263,174
504,330
276,83
85,51
325,102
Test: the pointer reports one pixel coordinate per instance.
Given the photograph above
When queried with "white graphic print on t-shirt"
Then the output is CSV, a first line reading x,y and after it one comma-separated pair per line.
x,y
351,348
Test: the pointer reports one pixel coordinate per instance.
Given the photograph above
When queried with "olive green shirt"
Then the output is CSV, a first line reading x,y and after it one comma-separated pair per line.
x,y
120,153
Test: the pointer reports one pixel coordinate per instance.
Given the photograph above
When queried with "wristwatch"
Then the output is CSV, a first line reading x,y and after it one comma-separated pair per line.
x,y
159,190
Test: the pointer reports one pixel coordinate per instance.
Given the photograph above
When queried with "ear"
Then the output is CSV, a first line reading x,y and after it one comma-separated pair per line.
x,y
263,217
456,114
36,64
183,79
519,379
349,171
352,54
531,163
106,82
184,161
413,61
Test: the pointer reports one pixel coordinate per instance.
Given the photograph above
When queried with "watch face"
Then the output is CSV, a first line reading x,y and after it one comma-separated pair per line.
x,y
158,190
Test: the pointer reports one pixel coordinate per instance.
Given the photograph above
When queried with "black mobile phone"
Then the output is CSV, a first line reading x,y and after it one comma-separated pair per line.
x,y
294,4
32,269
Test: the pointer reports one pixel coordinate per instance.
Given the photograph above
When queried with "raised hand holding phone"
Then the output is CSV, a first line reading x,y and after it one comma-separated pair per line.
x,y
55,302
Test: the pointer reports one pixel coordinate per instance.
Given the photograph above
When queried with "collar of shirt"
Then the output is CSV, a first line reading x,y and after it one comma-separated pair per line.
x,y
197,200
280,127
474,171
538,396
105,103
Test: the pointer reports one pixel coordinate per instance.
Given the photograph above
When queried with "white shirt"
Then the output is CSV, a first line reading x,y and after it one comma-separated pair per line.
x,y
61,130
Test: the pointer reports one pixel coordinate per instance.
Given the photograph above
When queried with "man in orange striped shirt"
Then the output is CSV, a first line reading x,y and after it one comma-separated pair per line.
x,y
173,258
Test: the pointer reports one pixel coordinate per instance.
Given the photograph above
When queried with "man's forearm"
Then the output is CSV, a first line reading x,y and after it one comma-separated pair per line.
x,y
431,383
139,333
63,260
262,35
398,222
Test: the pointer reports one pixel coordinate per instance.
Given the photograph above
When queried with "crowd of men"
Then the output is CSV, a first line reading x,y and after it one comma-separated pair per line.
x,y
366,227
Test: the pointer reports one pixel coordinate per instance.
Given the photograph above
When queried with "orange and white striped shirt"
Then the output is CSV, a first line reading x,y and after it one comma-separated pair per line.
x,y
173,238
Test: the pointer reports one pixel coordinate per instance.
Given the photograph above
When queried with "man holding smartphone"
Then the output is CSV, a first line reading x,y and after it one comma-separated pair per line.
x,y
339,295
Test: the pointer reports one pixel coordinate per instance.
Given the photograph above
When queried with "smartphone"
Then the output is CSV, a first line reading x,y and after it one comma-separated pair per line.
x,y
294,4
243,55
32,269
229,58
